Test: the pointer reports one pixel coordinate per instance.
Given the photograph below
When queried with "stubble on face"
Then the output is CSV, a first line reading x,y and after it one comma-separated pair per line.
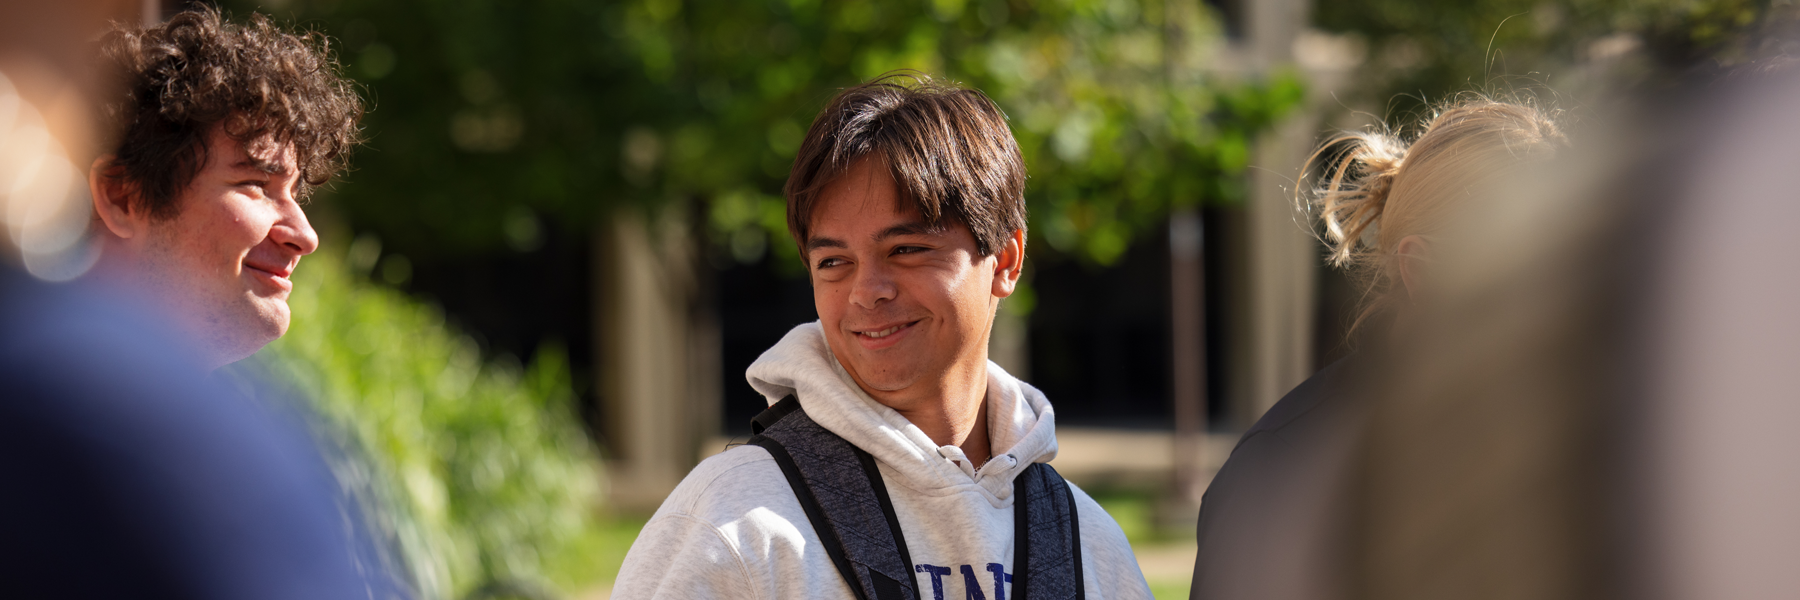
x,y
221,265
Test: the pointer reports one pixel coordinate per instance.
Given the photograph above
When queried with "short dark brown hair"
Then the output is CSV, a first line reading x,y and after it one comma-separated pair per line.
x,y
948,148
176,81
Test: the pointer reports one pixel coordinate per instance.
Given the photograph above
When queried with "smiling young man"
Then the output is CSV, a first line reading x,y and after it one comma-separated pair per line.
x,y
130,474
219,132
895,460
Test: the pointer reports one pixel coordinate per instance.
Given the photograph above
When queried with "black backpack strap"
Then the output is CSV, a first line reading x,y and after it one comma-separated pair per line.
x,y
773,414
840,488
1046,537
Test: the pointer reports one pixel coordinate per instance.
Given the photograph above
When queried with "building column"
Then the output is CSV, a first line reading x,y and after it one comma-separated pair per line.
x,y
1284,263
657,371
1283,257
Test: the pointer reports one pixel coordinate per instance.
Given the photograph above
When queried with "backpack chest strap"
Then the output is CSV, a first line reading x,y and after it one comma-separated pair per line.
x,y
841,490
1046,537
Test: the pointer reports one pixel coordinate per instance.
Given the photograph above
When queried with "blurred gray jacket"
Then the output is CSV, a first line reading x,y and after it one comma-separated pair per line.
x,y
1271,521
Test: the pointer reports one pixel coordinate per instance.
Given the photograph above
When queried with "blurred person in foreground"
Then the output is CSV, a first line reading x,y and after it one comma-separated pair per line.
x,y
1604,404
895,457
130,472
1272,520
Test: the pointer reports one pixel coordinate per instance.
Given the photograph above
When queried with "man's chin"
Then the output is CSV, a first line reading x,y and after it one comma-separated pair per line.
x,y
877,377
875,371
274,326
266,321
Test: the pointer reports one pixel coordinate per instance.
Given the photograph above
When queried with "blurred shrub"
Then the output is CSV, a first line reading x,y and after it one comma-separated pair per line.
x,y
481,467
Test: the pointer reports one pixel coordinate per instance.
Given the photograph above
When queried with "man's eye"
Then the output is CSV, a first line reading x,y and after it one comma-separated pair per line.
x,y
908,249
829,262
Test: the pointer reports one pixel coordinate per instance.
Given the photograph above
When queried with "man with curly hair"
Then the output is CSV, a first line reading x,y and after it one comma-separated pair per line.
x,y
130,474
219,132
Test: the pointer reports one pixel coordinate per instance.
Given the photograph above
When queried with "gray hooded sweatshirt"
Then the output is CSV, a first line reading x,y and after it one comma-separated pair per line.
x,y
733,528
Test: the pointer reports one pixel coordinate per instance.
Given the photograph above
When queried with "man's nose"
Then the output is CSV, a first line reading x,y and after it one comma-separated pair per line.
x,y
292,231
872,285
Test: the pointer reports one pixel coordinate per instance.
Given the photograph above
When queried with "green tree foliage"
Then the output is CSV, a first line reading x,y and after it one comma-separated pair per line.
x,y
575,107
1422,52
481,468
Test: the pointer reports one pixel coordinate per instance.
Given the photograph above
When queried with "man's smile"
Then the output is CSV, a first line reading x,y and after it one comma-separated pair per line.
x,y
274,275
882,336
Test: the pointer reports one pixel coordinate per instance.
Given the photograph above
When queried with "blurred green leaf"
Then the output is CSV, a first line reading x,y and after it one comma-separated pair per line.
x,y
585,107
1424,52
483,465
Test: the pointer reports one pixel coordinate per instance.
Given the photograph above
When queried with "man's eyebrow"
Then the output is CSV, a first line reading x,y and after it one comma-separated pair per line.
x,y
913,228
824,242
257,164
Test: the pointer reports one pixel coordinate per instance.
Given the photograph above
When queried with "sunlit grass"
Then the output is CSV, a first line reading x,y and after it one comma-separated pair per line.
x,y
592,561
1164,553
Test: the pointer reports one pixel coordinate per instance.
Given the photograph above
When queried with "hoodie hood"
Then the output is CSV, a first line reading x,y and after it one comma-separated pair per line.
x,y
1021,423
735,527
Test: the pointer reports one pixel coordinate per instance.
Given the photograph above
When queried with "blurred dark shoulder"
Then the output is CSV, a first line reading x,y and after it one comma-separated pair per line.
x,y
131,473
1337,384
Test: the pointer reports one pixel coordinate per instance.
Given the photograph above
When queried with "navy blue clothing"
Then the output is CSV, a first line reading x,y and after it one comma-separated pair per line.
x,y
1269,522
130,474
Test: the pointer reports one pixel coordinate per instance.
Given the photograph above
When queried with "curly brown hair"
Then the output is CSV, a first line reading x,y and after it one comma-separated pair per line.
x,y
178,80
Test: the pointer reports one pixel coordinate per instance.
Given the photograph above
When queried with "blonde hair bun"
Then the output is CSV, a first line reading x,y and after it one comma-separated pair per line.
x,y
1356,188
1375,188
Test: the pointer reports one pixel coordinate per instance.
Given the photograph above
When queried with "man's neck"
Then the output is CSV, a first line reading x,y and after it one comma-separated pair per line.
x,y
121,274
956,417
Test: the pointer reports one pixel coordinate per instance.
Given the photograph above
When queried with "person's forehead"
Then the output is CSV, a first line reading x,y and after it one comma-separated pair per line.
x,y
864,195
850,219
262,153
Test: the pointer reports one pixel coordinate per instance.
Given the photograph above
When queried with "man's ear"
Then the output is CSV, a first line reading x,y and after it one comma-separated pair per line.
x,y
113,198
1009,264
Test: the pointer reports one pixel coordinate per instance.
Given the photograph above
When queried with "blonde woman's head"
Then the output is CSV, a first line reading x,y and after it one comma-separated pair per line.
x,y
1381,198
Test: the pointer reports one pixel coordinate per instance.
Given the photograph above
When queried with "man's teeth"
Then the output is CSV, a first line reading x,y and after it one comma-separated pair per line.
x,y
883,333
